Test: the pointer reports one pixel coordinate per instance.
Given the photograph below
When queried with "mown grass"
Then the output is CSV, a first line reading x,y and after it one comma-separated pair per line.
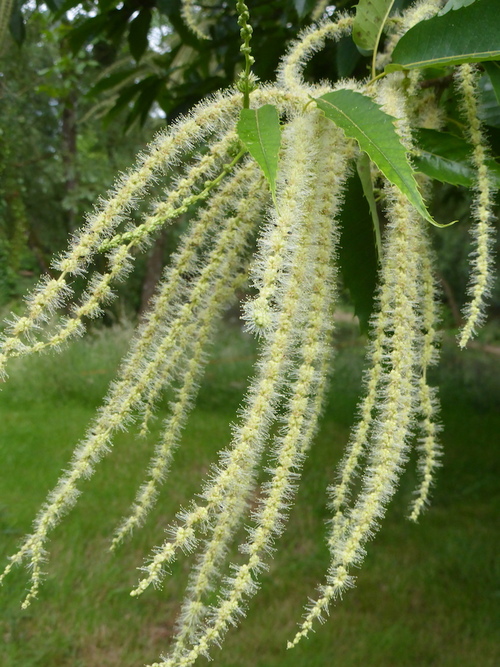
x,y
427,594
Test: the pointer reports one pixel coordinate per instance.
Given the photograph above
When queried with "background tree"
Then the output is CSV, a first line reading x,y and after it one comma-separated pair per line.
x,y
144,58
57,156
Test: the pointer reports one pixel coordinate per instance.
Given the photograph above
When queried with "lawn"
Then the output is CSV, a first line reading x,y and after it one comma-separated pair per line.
x,y
427,594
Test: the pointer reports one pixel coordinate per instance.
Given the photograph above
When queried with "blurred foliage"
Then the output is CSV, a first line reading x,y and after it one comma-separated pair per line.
x,y
55,158
453,247
150,57
133,65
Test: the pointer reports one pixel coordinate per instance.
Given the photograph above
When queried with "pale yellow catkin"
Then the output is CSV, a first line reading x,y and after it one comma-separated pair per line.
x,y
125,394
388,409
184,190
198,283
419,11
427,402
482,230
120,257
294,277
263,394
319,9
216,287
184,262
310,41
195,18
393,409
207,118
422,110
313,273
339,492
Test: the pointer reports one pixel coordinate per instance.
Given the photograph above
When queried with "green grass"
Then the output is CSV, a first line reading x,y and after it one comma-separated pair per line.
x,y
427,594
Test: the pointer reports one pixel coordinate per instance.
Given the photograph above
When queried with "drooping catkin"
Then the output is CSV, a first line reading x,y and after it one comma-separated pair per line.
x,y
293,277
422,111
176,282
319,9
393,409
245,193
339,493
263,395
215,289
482,230
427,402
381,437
52,293
309,293
418,11
127,393
310,41
99,289
195,18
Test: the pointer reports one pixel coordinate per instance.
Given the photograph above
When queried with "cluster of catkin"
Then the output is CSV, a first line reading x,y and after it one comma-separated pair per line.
x,y
293,277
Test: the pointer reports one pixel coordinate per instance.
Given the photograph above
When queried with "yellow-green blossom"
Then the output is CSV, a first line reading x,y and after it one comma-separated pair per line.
x,y
286,250
482,231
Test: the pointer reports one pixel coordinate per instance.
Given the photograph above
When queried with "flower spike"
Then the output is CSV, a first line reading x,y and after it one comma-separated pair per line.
x,y
483,233
283,251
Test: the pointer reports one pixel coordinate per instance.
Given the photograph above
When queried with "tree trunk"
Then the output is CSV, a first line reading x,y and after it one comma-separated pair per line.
x,y
154,268
69,153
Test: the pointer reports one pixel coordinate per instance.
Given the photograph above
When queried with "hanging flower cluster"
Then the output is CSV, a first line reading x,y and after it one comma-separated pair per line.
x,y
294,225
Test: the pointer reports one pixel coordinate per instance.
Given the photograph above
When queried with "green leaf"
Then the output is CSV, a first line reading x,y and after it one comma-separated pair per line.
x,y
362,119
144,101
17,27
125,96
371,16
488,107
168,7
446,158
357,255
465,35
365,177
109,82
493,71
138,33
86,31
259,130
455,4
348,57
54,5
303,7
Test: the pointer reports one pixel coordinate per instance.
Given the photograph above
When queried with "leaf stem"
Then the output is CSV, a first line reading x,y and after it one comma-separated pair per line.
x,y
139,232
377,41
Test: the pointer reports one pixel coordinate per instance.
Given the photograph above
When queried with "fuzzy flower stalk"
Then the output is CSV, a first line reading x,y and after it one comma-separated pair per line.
x,y
483,231
276,238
